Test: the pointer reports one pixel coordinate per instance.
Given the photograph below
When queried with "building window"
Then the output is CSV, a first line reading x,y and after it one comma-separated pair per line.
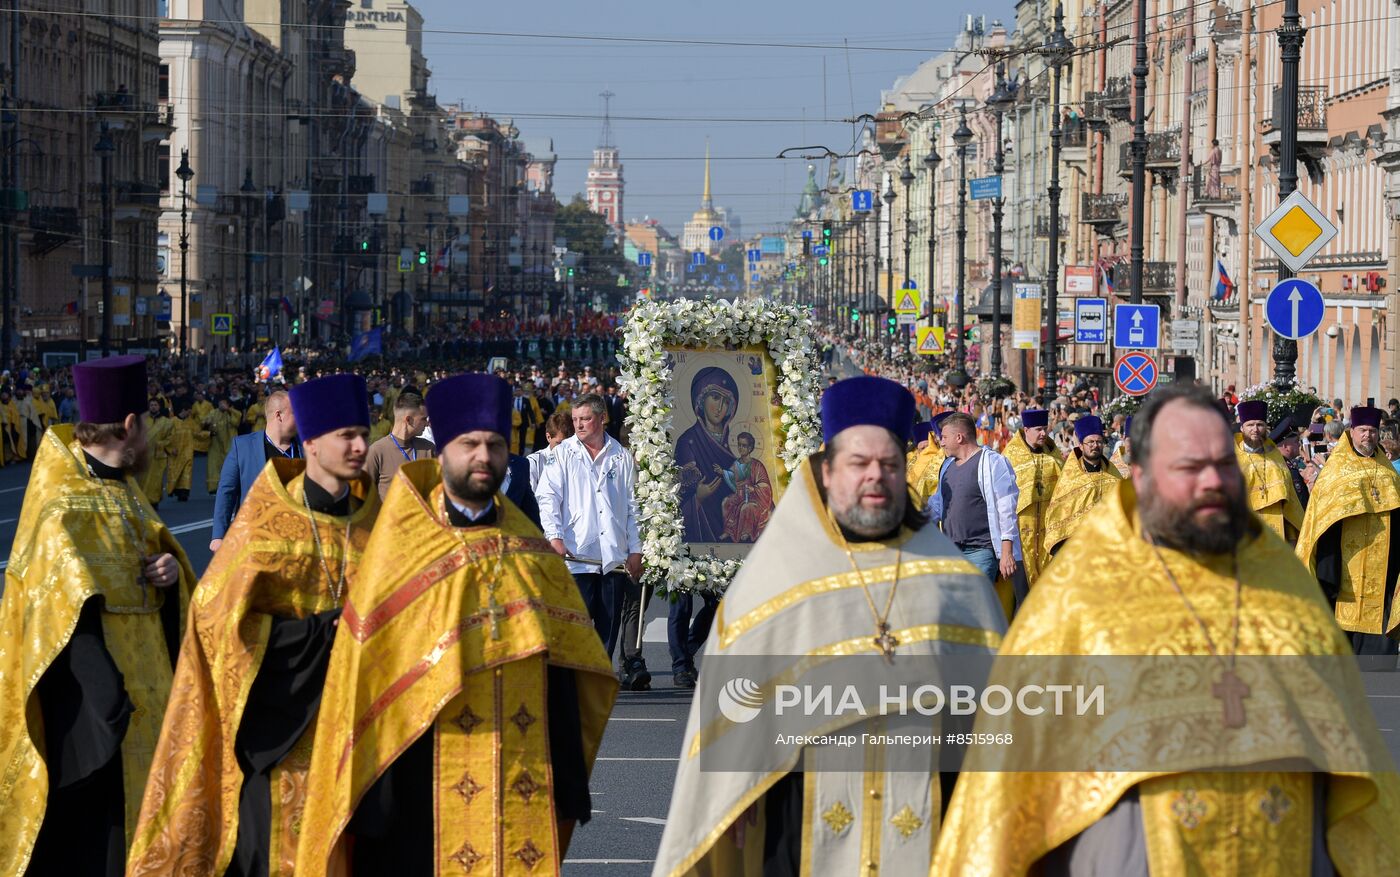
x,y
163,169
163,83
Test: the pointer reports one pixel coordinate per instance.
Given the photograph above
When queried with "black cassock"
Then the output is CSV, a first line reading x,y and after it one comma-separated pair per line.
x,y
392,828
86,710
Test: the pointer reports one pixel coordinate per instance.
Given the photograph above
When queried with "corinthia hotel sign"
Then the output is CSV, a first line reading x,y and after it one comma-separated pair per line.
x,y
372,19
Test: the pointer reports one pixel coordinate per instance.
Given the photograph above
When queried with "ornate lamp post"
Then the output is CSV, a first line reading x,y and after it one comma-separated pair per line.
x,y
185,173
999,101
1290,41
889,253
931,163
961,138
105,148
1057,53
907,178
244,337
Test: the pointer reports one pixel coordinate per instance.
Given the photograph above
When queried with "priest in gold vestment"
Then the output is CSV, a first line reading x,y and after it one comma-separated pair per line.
x,y
1350,538
847,567
95,597
226,793
1037,463
1173,563
923,464
1267,480
467,690
1085,478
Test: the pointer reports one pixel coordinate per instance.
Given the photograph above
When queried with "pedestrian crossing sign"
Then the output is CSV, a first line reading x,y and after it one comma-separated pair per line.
x,y
223,324
929,341
906,301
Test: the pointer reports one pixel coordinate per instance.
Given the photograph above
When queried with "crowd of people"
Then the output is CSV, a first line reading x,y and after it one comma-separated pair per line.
x,y
378,632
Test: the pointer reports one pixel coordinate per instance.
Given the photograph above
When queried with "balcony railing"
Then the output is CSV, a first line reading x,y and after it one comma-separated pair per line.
x,y
360,184
1042,226
1311,109
1101,208
1204,194
421,187
1164,148
1158,278
137,194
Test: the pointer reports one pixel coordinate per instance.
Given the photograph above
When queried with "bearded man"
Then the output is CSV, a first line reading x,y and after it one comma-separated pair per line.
x,y
1037,462
94,602
1267,480
1207,774
848,565
1349,536
467,690
1085,477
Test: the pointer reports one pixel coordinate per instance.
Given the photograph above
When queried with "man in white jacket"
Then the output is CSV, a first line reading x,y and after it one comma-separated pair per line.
x,y
975,504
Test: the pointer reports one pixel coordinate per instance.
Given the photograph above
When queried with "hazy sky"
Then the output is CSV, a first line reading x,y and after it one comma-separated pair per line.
x,y
750,101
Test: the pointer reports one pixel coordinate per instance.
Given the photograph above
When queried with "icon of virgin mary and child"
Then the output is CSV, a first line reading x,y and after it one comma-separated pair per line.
x,y
724,497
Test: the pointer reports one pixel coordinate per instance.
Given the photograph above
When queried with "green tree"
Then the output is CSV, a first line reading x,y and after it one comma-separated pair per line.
x,y
586,233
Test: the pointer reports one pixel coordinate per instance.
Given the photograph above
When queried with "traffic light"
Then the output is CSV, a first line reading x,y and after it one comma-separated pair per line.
x,y
823,261
806,246
364,244
296,325
893,322
571,272
422,255
826,233
855,314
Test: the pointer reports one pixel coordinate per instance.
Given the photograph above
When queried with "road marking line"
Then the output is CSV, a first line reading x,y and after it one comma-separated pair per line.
x,y
13,489
634,758
190,528
8,520
649,820
614,718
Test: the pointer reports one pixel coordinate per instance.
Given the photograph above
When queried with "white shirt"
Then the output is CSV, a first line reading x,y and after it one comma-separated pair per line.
x,y
539,460
591,504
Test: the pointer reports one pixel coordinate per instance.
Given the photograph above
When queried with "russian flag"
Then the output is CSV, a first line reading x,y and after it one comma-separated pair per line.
x,y
1224,286
444,260
1107,270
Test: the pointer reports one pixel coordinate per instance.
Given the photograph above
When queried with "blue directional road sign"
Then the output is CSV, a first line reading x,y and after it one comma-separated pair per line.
x,y
754,277
909,284
697,258
1294,308
819,251
755,255
806,234
1091,321
984,187
643,259
716,233
1137,327
1135,373
862,200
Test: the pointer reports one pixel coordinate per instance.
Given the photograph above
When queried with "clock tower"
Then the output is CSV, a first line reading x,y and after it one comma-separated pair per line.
x,y
605,183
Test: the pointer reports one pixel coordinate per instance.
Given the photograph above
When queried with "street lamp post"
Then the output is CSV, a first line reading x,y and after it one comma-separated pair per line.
x,y
931,162
427,305
244,336
105,149
397,309
961,138
1001,99
907,178
1139,150
1290,41
1057,54
185,173
889,254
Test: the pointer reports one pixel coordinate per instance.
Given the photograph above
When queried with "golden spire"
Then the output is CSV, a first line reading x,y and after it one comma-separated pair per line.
x,y
705,199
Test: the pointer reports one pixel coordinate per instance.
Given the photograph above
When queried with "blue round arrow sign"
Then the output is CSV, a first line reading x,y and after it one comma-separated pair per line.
x,y
1294,308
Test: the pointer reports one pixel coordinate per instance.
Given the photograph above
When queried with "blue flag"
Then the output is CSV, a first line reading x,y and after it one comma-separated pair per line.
x,y
271,365
366,344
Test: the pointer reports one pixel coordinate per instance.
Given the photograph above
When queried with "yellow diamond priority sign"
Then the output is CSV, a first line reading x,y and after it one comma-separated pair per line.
x,y
929,341
1296,231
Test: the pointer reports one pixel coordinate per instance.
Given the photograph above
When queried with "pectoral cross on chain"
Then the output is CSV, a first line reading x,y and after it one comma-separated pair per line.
x,y
885,641
497,612
1231,691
